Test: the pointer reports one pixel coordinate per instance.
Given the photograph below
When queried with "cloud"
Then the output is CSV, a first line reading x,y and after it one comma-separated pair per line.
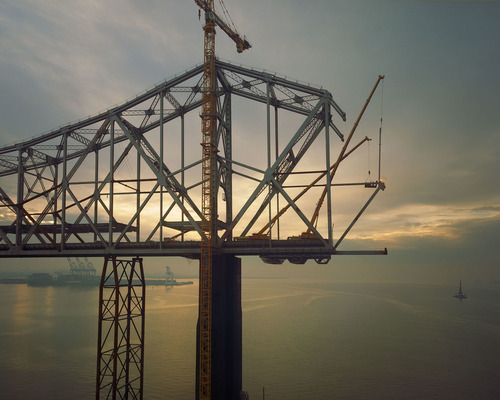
x,y
84,58
447,222
441,142
446,1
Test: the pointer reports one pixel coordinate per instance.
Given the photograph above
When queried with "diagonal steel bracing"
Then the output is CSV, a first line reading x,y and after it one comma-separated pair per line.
x,y
285,164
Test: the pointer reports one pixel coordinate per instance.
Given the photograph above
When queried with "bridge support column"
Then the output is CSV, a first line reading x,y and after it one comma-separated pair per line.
x,y
120,349
226,329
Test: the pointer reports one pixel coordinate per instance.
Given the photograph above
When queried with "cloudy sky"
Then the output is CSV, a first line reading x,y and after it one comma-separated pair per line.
x,y
440,215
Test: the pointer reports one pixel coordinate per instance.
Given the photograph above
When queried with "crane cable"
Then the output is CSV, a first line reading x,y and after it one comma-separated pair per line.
x,y
380,129
379,136
369,151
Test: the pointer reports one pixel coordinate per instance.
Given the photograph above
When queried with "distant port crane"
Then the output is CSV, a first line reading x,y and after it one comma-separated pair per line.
x,y
80,267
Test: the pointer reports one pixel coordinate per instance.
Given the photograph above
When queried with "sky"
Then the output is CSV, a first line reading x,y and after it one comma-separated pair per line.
x,y
439,217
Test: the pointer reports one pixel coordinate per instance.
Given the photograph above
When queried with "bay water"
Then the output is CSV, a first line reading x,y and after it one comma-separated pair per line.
x,y
302,339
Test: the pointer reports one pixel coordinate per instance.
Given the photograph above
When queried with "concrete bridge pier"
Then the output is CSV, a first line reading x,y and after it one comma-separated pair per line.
x,y
226,329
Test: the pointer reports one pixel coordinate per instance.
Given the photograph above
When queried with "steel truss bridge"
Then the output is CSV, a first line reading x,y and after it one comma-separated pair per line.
x,y
126,182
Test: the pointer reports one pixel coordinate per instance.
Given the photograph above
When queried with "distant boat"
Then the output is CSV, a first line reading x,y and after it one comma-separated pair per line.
x,y
461,294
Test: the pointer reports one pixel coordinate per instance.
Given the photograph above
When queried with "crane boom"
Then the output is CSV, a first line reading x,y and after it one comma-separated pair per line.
x,y
341,155
209,221
241,43
305,190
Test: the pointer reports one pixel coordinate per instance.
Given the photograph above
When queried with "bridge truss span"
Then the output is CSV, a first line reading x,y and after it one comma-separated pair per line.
x,y
128,181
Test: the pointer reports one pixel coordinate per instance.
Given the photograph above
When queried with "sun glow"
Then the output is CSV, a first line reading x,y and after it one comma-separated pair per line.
x,y
422,220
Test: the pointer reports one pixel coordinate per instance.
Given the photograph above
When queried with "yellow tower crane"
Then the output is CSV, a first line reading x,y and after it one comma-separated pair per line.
x,y
208,130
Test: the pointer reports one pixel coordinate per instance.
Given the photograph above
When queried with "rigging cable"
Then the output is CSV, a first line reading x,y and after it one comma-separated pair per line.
x,y
229,20
368,179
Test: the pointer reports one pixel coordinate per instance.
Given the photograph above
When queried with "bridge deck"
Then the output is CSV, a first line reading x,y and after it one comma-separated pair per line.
x,y
271,251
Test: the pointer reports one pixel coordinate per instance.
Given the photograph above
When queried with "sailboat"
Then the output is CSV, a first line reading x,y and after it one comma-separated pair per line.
x,y
461,294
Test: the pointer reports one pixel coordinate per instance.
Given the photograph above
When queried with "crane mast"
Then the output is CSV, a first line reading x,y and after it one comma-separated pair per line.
x,y
209,190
